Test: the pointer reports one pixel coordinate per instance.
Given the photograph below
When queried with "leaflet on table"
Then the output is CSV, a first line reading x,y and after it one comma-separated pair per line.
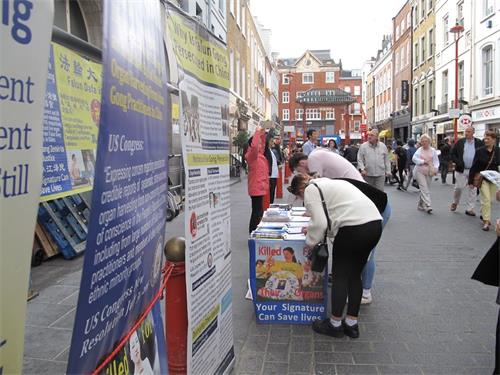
x,y
25,32
144,351
71,123
203,62
122,266
284,287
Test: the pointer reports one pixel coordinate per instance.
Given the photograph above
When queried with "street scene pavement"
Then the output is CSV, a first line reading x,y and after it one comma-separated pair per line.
x,y
427,315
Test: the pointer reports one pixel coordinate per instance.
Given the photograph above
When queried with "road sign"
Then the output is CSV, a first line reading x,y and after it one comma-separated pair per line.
x,y
464,121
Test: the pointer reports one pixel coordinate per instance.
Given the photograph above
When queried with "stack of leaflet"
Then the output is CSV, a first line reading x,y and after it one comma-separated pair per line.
x,y
269,230
276,215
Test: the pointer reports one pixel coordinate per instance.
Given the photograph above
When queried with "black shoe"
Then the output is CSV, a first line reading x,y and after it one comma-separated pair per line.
x,y
324,327
351,331
470,213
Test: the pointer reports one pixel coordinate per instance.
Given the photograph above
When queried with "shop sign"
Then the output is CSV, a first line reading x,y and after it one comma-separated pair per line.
x,y
486,114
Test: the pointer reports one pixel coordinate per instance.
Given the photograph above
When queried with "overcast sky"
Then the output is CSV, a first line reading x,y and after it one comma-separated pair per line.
x,y
351,29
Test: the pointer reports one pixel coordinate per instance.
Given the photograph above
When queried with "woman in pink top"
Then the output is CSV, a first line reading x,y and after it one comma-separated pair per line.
x,y
427,165
258,175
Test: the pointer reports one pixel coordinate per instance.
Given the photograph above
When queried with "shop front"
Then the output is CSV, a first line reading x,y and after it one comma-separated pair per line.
x,y
486,119
401,125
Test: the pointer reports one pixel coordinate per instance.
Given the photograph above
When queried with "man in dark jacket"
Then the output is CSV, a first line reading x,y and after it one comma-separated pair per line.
x,y
351,154
462,154
445,159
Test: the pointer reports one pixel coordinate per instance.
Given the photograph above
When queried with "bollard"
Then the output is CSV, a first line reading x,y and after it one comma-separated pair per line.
x,y
287,172
176,321
279,183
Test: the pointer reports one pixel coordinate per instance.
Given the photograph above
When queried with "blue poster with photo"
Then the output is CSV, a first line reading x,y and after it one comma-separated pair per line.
x,y
284,288
122,266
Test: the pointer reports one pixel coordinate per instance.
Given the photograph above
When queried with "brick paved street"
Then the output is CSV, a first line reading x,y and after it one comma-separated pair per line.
x,y
427,317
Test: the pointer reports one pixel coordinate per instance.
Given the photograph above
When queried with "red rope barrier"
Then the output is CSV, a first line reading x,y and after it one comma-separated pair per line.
x,y
167,271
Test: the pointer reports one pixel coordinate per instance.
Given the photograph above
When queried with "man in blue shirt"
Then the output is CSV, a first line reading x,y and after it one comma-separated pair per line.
x,y
310,145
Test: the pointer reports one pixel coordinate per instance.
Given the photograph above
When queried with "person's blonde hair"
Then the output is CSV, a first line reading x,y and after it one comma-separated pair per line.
x,y
425,136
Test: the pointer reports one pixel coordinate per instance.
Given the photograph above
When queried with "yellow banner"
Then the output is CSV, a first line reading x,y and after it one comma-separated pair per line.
x,y
198,330
207,61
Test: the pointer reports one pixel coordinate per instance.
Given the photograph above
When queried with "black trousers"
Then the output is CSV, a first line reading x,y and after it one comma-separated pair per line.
x,y
497,348
272,189
351,248
444,170
257,212
401,176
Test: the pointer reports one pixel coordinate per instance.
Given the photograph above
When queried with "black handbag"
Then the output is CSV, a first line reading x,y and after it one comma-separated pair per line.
x,y
319,253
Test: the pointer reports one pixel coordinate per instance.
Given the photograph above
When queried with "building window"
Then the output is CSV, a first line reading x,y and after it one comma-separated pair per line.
x,y
313,114
356,109
299,112
286,115
422,10
330,115
444,89
330,77
238,12
231,6
461,80
431,4
357,123
487,70
69,17
396,58
415,53
415,16
397,32
243,82
307,77
357,90
298,94
231,70
347,89
422,98
488,7
431,43
285,79
422,45
415,101
446,35
460,13
408,20
285,97
431,95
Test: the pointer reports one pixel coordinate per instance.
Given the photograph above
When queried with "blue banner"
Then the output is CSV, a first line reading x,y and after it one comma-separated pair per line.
x,y
284,288
122,267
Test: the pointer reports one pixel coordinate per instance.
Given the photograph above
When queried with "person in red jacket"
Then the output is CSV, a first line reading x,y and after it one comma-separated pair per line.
x,y
258,175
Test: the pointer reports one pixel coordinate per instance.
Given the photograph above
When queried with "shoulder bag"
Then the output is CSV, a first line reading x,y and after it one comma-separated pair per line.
x,y
319,253
477,180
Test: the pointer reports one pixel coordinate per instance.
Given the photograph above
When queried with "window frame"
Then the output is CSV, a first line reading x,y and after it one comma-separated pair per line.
x,y
307,74
331,79
285,97
484,77
285,114
299,114
285,79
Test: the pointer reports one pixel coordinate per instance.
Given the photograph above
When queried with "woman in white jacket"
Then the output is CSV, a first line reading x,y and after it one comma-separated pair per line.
x,y
355,224
427,165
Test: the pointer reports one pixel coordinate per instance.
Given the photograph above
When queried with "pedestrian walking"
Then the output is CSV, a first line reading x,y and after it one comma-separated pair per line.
x,y
462,155
273,166
427,165
401,156
445,159
353,221
486,158
410,165
351,154
373,161
258,175
312,142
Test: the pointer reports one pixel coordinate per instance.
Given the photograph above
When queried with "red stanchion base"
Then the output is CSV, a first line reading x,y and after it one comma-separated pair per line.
x,y
279,183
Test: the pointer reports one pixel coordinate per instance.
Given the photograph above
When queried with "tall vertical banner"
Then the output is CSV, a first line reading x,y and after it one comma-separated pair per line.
x,y
122,266
204,98
25,30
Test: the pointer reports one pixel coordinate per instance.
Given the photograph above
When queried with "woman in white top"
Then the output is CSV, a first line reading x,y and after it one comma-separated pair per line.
x,y
356,226
427,165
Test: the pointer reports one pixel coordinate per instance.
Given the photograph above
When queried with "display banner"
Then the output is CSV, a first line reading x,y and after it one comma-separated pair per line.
x,y
204,116
122,265
285,290
70,124
25,31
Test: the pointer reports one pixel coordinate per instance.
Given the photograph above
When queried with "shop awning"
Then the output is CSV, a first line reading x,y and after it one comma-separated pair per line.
x,y
386,133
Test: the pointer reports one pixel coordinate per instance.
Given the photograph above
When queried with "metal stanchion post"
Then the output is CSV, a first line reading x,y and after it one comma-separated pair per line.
x,y
176,321
279,183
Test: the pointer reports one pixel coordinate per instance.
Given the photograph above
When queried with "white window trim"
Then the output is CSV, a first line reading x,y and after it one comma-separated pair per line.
x,y
299,114
330,80
307,74
332,117
430,43
285,77
483,95
285,94
285,115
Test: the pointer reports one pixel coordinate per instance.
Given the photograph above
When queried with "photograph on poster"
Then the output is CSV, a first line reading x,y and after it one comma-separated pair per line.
x,y
80,166
284,273
191,117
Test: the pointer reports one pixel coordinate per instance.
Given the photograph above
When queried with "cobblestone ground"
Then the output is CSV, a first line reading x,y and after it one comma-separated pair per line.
x,y
427,316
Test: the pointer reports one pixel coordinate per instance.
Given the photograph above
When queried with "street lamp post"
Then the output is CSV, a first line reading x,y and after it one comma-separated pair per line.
x,y
456,30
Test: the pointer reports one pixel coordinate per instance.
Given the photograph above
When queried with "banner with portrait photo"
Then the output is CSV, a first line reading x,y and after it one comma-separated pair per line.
x,y
203,64
285,290
71,123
